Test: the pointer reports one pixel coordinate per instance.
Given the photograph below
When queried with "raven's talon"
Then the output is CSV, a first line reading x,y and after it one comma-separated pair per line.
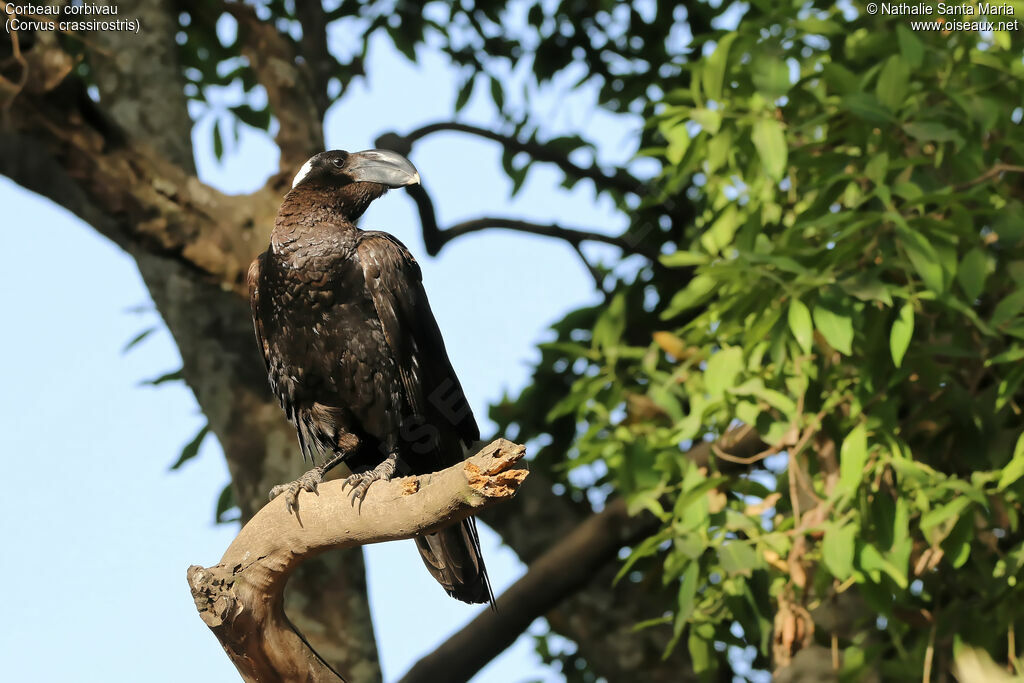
x,y
360,483
309,481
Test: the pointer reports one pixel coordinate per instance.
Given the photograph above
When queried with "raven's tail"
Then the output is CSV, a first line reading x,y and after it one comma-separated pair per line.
x,y
453,557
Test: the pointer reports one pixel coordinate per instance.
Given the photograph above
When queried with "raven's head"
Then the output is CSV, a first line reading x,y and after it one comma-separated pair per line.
x,y
337,168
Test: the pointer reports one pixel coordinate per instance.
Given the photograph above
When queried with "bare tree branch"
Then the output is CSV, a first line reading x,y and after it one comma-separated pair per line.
x,y
620,181
434,238
571,235
241,598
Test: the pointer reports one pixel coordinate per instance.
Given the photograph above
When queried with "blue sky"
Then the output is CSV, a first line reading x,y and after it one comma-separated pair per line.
x,y
99,533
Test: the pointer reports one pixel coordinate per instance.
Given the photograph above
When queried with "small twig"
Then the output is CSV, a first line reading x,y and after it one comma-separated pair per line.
x,y
750,460
591,268
989,174
929,655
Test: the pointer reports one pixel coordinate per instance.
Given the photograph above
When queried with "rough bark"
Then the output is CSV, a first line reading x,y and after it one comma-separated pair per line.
x,y
241,598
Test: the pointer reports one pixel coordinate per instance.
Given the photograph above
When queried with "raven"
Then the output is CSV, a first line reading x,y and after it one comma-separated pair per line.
x,y
353,352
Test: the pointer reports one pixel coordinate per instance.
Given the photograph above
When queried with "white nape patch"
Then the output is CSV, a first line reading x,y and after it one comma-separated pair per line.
x,y
303,172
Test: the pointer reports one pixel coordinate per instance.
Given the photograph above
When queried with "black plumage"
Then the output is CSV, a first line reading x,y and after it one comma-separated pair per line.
x,y
353,352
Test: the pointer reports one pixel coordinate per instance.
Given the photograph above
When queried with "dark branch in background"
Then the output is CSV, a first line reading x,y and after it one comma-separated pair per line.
x,y
322,64
561,571
434,238
571,235
620,180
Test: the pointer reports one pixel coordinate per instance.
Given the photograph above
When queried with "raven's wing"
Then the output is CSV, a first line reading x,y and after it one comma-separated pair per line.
x,y
393,279
268,339
252,279
432,389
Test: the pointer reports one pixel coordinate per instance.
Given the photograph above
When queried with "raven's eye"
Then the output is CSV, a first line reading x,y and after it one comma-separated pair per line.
x,y
338,163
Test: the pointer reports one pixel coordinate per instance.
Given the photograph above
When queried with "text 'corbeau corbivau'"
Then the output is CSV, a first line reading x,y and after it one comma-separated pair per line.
x,y
353,352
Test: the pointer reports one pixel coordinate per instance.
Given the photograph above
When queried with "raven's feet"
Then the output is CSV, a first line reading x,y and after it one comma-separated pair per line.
x,y
360,483
307,482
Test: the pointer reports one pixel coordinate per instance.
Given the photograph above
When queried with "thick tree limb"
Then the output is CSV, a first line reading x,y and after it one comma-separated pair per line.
x,y
241,598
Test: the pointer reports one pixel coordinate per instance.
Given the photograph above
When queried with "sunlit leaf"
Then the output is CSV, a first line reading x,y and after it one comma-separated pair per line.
x,y
902,331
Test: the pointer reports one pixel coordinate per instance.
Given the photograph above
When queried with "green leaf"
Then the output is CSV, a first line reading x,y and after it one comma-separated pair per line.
x,y
837,329
938,522
225,502
611,324
708,119
873,563
714,69
138,339
678,138
218,141
191,449
770,76
1008,307
464,94
738,557
722,370
931,131
866,106
682,258
972,273
800,324
722,231
695,292
687,599
891,89
877,168
1015,469
911,46
925,260
770,142
867,287
166,377
497,94
902,331
853,456
256,118
837,549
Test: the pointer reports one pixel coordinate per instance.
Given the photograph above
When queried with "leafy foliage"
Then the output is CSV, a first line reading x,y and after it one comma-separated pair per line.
x,y
839,204
852,293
